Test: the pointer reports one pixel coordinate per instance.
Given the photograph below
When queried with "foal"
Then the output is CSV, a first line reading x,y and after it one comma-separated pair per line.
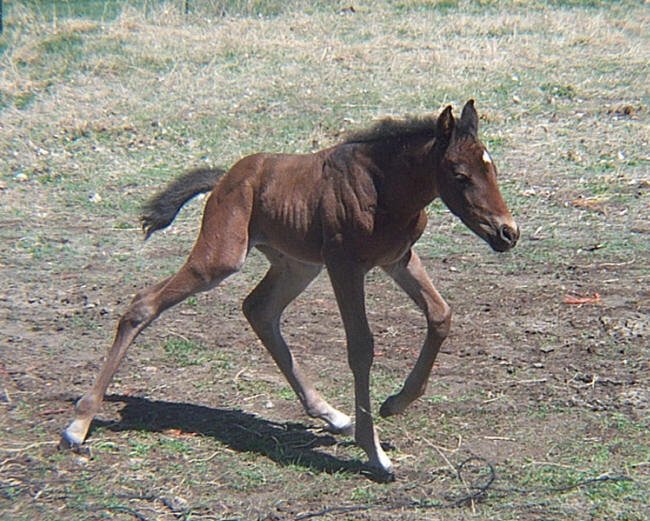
x,y
352,207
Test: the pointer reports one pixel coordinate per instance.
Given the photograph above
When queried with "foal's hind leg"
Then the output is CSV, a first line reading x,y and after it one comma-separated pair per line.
x,y
144,308
219,252
285,280
412,278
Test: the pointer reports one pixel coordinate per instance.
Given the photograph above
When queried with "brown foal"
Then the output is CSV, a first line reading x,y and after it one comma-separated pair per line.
x,y
352,207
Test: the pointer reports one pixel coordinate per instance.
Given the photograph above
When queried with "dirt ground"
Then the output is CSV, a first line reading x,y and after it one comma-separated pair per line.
x,y
522,376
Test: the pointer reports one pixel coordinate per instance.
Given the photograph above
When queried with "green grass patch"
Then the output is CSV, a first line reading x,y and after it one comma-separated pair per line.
x,y
185,352
105,10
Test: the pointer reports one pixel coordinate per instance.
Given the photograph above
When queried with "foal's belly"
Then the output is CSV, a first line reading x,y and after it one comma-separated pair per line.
x,y
386,243
301,243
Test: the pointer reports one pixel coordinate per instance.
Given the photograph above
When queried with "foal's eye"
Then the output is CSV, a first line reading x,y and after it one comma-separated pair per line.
x,y
462,178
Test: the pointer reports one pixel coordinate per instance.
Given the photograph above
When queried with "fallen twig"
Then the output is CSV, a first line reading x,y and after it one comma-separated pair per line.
x,y
27,447
578,301
475,492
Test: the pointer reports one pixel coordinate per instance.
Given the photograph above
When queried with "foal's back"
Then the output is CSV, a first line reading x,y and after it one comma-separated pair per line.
x,y
298,202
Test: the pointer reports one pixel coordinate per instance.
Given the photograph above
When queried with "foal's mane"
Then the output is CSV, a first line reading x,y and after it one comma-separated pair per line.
x,y
393,128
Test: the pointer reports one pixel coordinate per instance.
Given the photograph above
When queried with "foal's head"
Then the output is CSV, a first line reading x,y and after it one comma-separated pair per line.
x,y
467,181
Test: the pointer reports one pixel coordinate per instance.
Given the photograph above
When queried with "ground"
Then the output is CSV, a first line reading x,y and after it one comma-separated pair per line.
x,y
538,406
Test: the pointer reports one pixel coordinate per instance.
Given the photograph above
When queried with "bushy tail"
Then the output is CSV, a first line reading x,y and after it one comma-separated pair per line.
x,y
160,210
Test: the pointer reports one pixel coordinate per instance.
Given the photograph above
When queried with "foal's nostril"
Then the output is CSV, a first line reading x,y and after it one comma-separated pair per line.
x,y
507,234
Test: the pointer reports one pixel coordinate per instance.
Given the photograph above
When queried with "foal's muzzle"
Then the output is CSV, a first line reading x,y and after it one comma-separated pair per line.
x,y
505,238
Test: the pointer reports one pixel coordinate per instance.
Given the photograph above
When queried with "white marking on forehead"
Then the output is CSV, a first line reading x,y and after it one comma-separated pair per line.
x,y
486,157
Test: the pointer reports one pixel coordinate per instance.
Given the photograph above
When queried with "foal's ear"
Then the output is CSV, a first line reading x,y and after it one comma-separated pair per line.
x,y
469,120
446,123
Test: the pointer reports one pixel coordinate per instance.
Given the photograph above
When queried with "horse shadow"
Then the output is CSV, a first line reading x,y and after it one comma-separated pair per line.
x,y
284,443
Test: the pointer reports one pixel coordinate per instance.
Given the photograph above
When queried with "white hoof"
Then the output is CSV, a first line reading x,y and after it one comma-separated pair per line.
x,y
341,424
381,469
74,435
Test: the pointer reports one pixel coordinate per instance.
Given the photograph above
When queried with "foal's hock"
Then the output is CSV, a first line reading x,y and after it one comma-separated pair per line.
x,y
351,207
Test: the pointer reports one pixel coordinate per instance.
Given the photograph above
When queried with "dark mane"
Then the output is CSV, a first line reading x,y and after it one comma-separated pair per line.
x,y
391,128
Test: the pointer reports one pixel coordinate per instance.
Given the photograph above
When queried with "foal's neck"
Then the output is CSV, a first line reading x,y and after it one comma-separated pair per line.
x,y
408,169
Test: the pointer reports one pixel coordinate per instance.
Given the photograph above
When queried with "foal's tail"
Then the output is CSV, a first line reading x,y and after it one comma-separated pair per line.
x,y
161,209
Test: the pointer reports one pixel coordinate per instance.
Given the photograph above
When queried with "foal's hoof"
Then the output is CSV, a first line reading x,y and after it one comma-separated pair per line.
x,y
345,430
69,443
339,423
379,467
389,407
66,442
378,474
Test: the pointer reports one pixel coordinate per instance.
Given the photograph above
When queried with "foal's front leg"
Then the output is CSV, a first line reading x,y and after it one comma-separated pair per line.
x,y
348,283
412,278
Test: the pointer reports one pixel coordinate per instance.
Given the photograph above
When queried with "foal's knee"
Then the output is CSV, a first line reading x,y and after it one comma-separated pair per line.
x,y
250,308
440,322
